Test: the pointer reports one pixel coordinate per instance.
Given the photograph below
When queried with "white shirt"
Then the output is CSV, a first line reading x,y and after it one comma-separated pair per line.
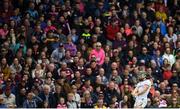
x,y
169,57
173,38
77,98
140,86
11,100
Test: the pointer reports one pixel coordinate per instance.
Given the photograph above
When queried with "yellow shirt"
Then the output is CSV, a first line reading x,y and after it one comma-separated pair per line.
x,y
96,107
161,15
6,71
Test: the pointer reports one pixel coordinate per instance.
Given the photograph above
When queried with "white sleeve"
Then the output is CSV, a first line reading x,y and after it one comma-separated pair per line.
x,y
148,82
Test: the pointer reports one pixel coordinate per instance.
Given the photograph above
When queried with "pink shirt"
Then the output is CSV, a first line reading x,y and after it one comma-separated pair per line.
x,y
100,55
3,33
49,28
61,106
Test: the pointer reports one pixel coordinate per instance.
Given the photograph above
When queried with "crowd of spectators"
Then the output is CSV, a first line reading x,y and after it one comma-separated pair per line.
x,y
88,53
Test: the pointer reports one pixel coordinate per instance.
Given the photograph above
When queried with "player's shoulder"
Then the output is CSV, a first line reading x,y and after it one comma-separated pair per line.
x,y
147,81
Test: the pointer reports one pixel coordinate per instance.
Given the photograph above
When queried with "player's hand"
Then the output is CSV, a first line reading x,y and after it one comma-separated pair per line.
x,y
135,94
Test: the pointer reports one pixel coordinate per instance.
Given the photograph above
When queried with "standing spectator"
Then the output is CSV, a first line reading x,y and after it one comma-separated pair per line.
x,y
70,46
98,53
111,30
171,36
58,54
167,55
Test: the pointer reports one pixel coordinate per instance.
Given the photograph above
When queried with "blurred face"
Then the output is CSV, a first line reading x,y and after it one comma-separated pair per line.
x,y
70,97
58,89
7,92
5,27
49,23
77,74
89,71
98,80
62,101
137,23
16,62
130,53
46,90
30,96
38,66
122,30
158,30
100,102
115,73
88,82
144,50
3,61
145,38
74,89
155,45
81,62
158,53
98,22
170,30
68,54
87,94
101,71
119,35
125,98
174,101
168,51
98,46
64,65
53,8
114,65
97,29
107,59
134,60
93,65
175,86
162,85
62,19
29,52
111,85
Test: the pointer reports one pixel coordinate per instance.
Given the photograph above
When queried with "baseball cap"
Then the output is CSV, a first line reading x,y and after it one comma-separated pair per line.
x,y
61,45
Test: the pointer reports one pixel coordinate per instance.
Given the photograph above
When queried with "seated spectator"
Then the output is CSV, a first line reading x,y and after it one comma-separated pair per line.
x,y
2,105
9,98
62,104
86,101
70,102
29,102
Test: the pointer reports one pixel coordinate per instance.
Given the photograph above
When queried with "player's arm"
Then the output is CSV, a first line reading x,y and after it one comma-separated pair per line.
x,y
135,91
143,91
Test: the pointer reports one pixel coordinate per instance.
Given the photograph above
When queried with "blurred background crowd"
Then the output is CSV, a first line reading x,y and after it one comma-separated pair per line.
x,y
88,53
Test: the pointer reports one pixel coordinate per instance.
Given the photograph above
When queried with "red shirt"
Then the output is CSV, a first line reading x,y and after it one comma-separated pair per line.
x,y
111,32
